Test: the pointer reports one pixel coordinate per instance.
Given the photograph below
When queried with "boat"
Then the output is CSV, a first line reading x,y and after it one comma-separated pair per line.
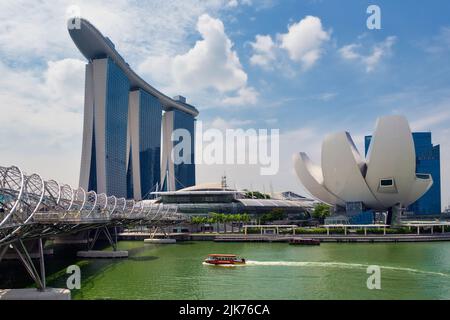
x,y
304,242
224,260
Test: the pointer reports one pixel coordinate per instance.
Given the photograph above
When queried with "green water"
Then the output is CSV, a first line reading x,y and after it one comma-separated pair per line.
x,y
275,271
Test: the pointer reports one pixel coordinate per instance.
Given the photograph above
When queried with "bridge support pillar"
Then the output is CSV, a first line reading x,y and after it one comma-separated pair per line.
x,y
25,258
98,254
3,252
37,274
33,294
165,240
94,254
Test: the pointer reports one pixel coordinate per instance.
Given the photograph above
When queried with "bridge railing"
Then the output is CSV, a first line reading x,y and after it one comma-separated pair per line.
x,y
12,188
27,199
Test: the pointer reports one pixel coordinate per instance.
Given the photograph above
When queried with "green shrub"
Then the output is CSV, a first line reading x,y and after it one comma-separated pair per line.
x,y
403,230
256,195
310,231
275,214
254,231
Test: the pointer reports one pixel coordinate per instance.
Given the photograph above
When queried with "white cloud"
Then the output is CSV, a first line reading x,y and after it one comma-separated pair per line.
x,y
259,4
42,83
210,64
348,52
37,29
223,124
64,83
371,60
244,97
233,3
327,96
263,51
33,100
439,44
42,71
158,69
243,176
236,3
41,129
440,115
304,41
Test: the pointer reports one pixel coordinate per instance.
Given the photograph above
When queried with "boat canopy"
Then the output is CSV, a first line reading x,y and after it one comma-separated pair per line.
x,y
222,255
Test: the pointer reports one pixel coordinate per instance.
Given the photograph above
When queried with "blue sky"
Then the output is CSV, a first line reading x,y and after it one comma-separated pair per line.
x,y
354,94
319,70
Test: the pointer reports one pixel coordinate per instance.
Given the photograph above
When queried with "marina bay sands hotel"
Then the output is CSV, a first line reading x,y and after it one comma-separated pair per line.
x,y
126,121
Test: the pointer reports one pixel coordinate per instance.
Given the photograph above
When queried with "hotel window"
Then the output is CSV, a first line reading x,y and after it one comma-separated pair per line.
x,y
386,182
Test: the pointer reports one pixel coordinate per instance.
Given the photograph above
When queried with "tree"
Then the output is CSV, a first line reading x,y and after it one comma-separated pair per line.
x,y
231,218
220,218
321,211
246,218
215,219
237,218
243,218
223,220
209,221
275,214
256,195
196,220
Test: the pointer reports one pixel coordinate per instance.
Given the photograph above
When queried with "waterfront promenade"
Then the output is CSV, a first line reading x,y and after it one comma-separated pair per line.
x,y
336,238
349,238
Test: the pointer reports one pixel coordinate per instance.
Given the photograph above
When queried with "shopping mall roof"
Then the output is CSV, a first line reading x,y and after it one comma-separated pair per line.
x,y
274,203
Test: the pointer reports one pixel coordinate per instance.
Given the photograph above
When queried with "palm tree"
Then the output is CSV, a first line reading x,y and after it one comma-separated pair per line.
x,y
237,218
209,220
196,221
246,218
231,218
204,220
215,217
223,219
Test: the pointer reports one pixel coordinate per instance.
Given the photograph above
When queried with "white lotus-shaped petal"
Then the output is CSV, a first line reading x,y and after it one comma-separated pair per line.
x,y
344,169
388,177
312,178
392,156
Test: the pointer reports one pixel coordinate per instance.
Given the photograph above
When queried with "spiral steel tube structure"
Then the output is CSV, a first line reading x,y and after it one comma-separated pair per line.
x,y
31,207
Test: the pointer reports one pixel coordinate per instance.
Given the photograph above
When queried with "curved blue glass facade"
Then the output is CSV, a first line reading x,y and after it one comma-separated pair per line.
x,y
150,112
428,161
185,172
121,151
116,115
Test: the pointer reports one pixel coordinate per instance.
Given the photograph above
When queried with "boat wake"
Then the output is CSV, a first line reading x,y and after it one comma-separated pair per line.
x,y
342,265
223,265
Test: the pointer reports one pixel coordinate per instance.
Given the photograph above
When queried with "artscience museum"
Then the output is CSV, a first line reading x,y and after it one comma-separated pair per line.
x,y
387,180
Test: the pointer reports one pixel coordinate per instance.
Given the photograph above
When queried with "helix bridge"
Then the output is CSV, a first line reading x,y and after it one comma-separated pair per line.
x,y
32,208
